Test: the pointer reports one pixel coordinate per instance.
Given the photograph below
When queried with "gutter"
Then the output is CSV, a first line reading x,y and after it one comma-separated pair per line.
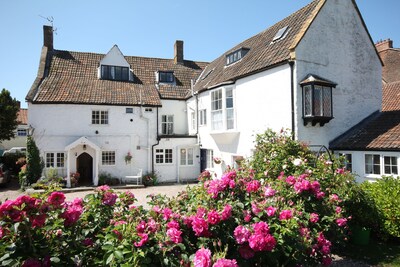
x,y
152,147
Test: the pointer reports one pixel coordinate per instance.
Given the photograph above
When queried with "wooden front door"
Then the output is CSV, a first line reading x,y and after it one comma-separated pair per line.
x,y
84,166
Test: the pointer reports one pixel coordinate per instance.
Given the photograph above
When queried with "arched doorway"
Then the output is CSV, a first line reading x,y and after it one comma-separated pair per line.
x,y
84,166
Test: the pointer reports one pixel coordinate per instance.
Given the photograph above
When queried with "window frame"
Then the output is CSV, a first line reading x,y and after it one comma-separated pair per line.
x,y
22,132
186,158
202,117
101,118
108,158
317,100
372,164
57,160
393,164
114,73
223,117
236,55
166,77
167,124
164,156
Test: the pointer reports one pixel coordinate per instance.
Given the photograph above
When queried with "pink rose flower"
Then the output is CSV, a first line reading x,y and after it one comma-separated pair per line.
x,y
341,222
261,228
269,192
314,217
285,215
175,235
227,212
199,226
271,211
241,234
253,186
143,240
225,263
213,217
56,199
246,252
109,198
202,258
38,220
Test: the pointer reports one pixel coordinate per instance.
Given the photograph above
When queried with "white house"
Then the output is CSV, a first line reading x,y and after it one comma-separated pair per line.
x,y
316,72
21,132
90,111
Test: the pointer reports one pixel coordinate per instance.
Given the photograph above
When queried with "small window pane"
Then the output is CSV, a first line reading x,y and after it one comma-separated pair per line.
x,y
183,156
129,110
308,100
108,158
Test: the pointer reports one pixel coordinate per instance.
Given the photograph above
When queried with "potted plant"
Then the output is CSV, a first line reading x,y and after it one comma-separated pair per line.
x,y
128,158
74,179
217,160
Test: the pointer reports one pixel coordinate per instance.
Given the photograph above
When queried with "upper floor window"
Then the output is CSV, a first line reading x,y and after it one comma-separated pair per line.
x,y
317,100
22,132
222,110
202,117
99,117
236,55
114,73
166,77
167,124
193,120
129,110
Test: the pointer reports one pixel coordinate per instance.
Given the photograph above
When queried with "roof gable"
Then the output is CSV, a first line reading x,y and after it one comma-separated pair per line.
x,y
114,57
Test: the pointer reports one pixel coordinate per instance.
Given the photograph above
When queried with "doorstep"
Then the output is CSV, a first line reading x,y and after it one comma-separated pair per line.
x,y
30,191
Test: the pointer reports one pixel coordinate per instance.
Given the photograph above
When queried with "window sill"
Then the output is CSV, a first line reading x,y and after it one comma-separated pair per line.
x,y
316,119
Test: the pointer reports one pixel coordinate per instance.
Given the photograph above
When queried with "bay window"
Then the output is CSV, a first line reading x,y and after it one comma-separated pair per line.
x,y
317,100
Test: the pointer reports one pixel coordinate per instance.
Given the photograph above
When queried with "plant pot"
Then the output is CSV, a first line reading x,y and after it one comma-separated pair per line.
x,y
361,235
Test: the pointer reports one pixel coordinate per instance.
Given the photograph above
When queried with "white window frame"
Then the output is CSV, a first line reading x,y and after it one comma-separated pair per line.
x,y
186,156
223,117
167,124
393,163
55,160
372,164
202,117
22,132
210,159
100,117
108,158
193,120
164,156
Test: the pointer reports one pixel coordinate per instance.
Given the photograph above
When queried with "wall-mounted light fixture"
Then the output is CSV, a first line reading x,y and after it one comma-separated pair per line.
x,y
84,147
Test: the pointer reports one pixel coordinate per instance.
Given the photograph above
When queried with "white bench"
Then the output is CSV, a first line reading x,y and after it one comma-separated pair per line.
x,y
137,177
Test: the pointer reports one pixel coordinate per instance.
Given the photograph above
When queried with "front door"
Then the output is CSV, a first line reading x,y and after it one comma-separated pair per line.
x,y
84,166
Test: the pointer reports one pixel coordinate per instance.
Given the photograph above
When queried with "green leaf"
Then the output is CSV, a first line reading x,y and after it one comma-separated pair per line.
x,y
118,254
55,259
110,259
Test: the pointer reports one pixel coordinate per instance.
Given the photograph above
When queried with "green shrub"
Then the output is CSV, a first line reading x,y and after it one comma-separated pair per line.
x,y
386,194
34,166
149,179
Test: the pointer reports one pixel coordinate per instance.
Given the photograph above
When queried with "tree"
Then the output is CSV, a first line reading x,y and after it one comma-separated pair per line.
x,y
9,108
34,165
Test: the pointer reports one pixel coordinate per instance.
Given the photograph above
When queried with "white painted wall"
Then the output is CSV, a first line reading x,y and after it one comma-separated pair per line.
x,y
337,47
57,126
17,141
261,101
177,108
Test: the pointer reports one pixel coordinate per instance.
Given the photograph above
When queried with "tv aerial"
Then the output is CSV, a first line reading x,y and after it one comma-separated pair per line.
x,y
50,19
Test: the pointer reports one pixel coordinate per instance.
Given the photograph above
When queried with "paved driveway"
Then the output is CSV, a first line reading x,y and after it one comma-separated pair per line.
x,y
11,191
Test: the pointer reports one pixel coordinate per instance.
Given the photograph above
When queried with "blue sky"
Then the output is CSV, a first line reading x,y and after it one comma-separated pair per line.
x,y
149,28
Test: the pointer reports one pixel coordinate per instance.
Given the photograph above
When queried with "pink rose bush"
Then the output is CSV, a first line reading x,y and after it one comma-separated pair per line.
x,y
272,211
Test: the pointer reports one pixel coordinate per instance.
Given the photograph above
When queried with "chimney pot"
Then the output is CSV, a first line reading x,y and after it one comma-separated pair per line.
x,y
48,37
384,45
178,55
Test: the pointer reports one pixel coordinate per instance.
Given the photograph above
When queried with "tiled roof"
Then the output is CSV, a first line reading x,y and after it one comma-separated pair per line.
x,y
263,52
391,96
72,78
381,131
23,116
391,65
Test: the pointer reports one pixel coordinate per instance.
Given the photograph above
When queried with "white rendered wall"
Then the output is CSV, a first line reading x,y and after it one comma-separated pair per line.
x,y
57,126
177,108
261,101
337,47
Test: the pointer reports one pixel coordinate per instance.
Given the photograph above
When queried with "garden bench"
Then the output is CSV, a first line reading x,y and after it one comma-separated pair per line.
x,y
136,177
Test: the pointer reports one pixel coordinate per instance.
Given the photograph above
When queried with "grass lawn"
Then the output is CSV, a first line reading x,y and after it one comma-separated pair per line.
x,y
376,253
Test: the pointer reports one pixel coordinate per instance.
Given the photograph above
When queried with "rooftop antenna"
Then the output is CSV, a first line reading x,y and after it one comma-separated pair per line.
x,y
50,20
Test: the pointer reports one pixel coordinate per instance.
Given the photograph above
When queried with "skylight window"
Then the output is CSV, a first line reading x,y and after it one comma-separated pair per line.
x,y
207,74
236,55
280,34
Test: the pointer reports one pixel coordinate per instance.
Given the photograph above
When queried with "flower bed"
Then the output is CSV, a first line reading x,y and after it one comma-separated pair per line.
x,y
240,219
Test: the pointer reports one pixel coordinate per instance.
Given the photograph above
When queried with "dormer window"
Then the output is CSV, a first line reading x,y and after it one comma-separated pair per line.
x,y
317,100
166,77
236,55
115,73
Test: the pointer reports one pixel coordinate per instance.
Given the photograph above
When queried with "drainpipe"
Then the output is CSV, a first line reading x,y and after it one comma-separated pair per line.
x,y
152,147
292,87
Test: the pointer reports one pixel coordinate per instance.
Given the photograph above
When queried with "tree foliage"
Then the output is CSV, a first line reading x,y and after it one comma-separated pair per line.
x,y
34,164
9,108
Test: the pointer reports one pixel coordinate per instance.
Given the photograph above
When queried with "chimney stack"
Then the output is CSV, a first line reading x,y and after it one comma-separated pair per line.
x,y
48,37
384,45
178,52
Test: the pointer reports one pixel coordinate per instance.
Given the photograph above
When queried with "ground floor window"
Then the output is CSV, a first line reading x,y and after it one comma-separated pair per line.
x,y
164,156
55,159
390,165
372,164
210,158
108,157
348,161
186,156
